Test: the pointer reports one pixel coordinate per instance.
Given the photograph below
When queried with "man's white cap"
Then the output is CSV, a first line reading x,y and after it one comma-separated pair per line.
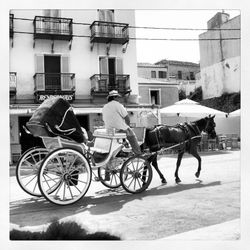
x,y
113,93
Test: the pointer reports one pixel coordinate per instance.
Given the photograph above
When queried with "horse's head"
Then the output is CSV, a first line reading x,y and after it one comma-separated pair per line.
x,y
210,126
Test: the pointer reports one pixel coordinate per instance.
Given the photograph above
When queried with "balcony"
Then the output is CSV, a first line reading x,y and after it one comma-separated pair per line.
x,y
13,83
11,25
47,84
101,84
53,28
109,32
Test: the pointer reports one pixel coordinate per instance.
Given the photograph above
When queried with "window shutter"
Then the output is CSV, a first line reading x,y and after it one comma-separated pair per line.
x,y
119,66
39,80
102,28
65,78
109,15
103,65
102,15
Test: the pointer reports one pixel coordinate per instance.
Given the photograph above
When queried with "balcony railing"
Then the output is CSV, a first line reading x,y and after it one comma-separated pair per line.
x,y
11,25
54,82
13,82
105,32
103,83
53,28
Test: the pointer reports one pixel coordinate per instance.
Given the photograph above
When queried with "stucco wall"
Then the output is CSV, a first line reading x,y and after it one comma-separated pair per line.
x,y
145,72
168,95
220,60
220,78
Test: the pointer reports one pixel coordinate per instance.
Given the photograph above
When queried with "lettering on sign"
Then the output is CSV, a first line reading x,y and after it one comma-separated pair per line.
x,y
41,98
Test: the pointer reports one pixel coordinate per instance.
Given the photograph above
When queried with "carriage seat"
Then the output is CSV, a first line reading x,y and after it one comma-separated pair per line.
x,y
106,133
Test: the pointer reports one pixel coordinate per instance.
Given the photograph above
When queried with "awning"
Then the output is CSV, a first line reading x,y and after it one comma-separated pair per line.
x,y
20,111
82,111
77,110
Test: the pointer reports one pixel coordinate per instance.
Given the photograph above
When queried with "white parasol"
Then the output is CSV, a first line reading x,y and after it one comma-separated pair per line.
x,y
189,108
234,113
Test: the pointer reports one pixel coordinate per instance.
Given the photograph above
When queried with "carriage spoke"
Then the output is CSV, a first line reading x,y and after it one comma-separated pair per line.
x,y
46,180
70,190
139,182
30,181
79,180
75,186
28,175
35,186
60,185
64,187
131,181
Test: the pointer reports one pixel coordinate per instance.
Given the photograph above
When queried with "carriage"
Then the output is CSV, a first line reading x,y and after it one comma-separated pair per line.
x,y
62,171
64,168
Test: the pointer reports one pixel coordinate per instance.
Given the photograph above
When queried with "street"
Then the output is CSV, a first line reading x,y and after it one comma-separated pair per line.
x,y
162,210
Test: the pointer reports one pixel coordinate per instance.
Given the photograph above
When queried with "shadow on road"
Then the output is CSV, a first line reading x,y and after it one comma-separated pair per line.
x,y
37,211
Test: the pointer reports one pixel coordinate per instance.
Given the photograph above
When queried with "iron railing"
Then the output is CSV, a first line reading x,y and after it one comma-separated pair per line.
x,y
11,25
54,82
53,28
103,83
103,32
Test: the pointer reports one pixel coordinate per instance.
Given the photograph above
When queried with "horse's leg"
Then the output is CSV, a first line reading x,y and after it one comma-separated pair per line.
x,y
153,159
194,152
178,163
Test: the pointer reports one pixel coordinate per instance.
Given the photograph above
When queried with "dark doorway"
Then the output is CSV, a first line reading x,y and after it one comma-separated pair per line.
x,y
111,67
52,68
27,141
84,122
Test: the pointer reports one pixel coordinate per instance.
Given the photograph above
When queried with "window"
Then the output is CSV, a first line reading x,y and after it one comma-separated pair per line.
x,y
111,70
179,74
106,16
162,74
153,74
155,97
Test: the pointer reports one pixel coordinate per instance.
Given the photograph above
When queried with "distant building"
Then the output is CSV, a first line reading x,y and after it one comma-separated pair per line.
x,y
220,56
175,73
157,92
180,70
154,85
152,71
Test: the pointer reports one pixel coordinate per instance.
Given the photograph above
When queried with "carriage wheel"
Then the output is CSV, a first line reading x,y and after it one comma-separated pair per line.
x,y
65,176
27,170
136,174
110,174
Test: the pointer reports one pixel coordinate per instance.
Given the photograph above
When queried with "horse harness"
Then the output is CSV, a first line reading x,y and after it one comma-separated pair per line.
x,y
186,128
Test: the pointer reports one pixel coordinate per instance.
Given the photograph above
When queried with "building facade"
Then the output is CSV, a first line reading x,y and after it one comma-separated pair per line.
x,y
220,56
152,71
78,54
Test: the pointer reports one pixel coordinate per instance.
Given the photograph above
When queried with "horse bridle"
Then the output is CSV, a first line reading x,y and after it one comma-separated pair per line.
x,y
206,127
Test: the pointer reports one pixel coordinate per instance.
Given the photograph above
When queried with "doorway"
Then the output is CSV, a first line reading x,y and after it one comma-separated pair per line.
x,y
27,141
52,69
112,72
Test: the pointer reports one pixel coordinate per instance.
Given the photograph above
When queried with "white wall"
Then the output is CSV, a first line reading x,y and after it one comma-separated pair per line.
x,y
220,78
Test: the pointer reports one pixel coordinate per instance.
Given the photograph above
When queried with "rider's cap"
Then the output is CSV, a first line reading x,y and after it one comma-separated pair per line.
x,y
113,93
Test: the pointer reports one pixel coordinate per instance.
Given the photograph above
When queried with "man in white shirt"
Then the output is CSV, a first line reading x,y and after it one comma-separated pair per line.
x,y
116,116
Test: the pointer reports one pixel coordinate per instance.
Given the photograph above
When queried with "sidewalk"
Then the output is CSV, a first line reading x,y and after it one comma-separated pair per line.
x,y
229,230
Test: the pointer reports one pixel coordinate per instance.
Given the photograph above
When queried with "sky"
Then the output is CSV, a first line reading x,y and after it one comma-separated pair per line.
x,y
153,51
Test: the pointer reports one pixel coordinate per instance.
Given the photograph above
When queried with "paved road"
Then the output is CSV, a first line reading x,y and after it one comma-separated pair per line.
x,y
159,212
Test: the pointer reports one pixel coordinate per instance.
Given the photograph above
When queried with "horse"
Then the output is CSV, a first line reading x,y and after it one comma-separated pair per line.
x,y
181,137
